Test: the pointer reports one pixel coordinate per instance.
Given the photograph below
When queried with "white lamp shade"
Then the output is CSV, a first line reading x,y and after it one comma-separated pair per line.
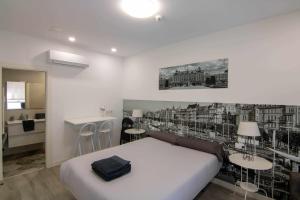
x,y
248,129
137,113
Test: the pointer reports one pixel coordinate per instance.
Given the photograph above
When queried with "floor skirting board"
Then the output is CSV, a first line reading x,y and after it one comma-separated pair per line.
x,y
239,190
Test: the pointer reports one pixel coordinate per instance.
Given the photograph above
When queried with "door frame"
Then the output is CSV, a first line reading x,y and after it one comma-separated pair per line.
x,y
25,68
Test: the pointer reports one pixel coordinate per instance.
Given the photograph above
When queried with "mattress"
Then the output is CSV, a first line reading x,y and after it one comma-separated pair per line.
x,y
160,171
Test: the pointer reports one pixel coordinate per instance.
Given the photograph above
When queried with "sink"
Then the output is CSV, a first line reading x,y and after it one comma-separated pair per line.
x,y
20,121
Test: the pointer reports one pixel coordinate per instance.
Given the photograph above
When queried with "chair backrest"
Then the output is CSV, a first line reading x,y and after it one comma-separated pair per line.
x,y
105,126
126,123
91,127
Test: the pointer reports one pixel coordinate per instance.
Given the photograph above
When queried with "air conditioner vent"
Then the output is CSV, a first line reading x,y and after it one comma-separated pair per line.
x,y
65,58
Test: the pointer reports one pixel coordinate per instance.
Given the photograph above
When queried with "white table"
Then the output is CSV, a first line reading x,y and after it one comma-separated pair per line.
x,y
134,132
258,163
84,120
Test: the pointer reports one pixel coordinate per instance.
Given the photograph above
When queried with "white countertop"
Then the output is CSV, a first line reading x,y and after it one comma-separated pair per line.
x,y
20,121
84,120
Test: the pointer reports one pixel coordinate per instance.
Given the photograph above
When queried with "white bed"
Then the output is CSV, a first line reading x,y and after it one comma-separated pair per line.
x,y
160,171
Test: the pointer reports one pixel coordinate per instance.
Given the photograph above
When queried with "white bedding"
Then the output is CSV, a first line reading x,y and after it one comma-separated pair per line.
x,y
159,171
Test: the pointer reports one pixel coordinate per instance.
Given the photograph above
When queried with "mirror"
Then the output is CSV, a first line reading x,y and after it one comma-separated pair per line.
x,y
15,95
35,96
25,95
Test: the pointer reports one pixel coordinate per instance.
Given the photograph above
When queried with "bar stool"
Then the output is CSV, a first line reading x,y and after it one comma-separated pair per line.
x,y
105,129
87,130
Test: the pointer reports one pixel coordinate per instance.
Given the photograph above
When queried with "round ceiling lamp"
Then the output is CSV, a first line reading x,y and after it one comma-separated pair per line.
x,y
140,8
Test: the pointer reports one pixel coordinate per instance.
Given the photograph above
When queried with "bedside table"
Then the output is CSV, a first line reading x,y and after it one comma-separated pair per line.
x,y
258,164
136,133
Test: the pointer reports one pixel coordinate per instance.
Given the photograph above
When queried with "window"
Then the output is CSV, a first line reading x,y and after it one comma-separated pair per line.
x,y
15,95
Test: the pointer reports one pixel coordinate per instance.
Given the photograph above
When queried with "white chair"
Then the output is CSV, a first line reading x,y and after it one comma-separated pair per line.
x,y
87,130
105,129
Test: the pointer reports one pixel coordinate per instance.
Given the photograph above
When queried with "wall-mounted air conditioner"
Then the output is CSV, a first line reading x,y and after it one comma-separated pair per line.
x,y
65,58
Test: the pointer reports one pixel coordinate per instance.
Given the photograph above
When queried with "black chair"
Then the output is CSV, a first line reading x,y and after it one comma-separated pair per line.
x,y
127,123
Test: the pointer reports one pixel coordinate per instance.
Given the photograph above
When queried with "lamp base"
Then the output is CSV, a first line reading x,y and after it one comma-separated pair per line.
x,y
249,149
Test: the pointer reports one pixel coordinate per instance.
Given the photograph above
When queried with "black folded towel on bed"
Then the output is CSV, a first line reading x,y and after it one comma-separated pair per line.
x,y
111,168
28,125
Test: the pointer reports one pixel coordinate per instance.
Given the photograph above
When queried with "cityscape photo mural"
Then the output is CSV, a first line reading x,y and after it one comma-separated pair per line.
x,y
201,75
279,126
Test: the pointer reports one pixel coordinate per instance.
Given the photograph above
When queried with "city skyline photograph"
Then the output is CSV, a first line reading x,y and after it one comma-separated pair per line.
x,y
279,127
209,74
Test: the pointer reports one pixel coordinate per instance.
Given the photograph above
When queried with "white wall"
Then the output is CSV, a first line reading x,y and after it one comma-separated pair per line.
x,y
264,65
71,92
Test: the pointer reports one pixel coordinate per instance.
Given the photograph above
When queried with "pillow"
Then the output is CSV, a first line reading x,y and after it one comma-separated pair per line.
x,y
164,136
202,145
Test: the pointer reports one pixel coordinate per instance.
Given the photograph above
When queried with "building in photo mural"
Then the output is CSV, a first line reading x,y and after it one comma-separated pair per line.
x,y
279,126
201,75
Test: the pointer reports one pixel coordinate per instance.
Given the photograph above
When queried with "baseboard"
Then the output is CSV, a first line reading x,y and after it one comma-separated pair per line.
x,y
239,190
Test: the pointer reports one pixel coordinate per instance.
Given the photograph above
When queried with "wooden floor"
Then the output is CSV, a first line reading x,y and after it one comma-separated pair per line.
x,y
216,192
40,185
45,185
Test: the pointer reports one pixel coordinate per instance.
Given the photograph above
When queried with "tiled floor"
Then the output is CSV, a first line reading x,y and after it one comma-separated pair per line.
x,y
23,163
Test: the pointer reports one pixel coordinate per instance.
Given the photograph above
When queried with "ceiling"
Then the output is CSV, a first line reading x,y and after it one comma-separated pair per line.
x,y
99,25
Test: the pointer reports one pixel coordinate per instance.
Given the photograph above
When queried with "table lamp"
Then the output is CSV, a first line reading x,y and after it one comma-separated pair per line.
x,y
249,130
137,113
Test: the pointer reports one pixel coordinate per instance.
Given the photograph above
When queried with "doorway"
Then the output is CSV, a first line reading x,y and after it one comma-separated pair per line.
x,y
24,123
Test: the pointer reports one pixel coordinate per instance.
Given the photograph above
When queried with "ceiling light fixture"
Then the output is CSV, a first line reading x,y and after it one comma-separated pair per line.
x,y
140,8
114,50
72,39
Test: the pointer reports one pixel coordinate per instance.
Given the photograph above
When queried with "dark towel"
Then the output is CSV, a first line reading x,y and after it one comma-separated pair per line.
x,y
28,125
111,168
112,176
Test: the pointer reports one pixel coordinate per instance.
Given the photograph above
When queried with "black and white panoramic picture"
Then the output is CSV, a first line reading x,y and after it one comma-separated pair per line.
x,y
201,75
279,127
